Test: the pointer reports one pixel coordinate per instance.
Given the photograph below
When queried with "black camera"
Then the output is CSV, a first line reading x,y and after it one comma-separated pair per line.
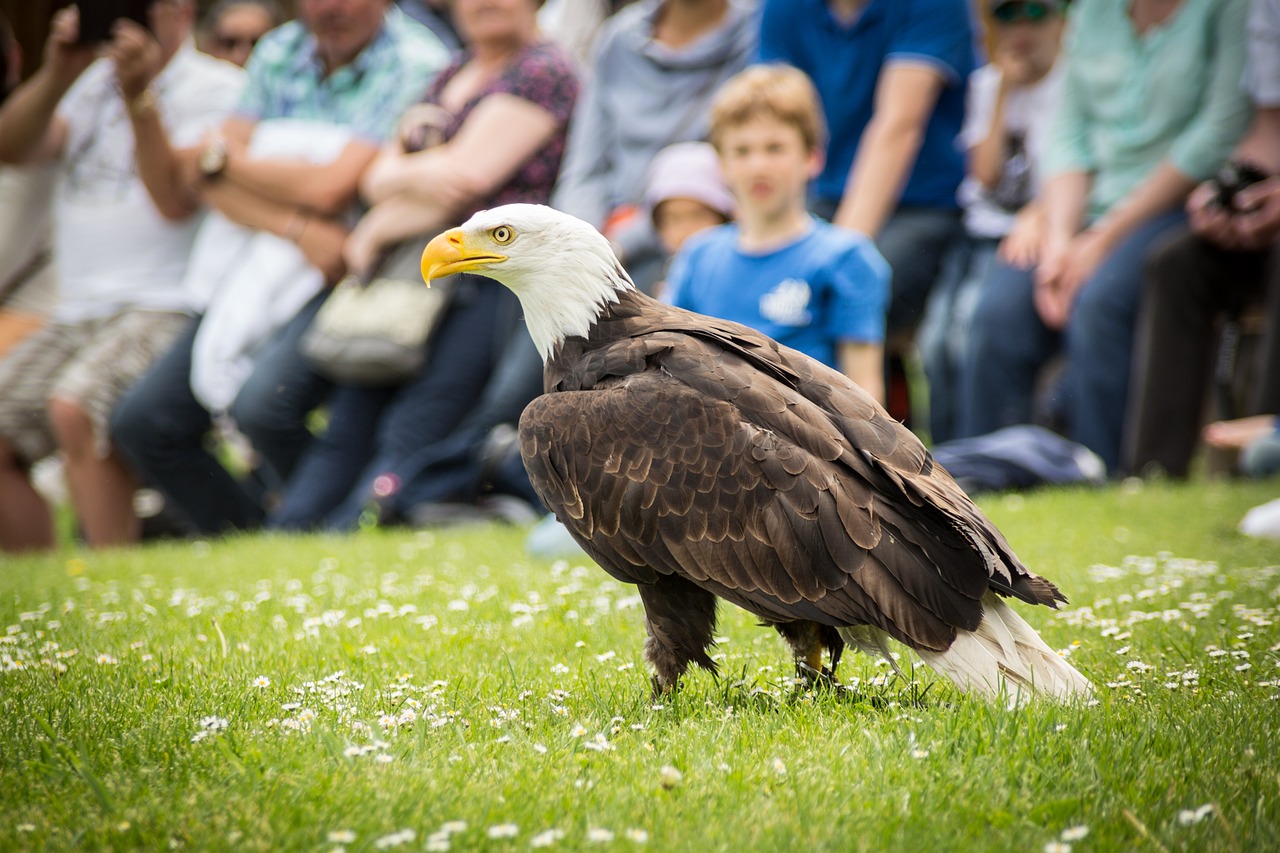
x,y
97,17
1233,178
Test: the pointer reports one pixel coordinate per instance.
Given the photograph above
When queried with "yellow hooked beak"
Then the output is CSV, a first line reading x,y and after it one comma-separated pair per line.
x,y
448,253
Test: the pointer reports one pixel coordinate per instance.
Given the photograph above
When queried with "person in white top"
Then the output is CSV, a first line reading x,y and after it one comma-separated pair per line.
x,y
120,119
1010,105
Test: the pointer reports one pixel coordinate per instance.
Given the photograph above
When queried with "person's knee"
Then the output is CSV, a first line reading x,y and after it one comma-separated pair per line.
x,y
10,460
269,406
1098,321
993,328
71,424
255,416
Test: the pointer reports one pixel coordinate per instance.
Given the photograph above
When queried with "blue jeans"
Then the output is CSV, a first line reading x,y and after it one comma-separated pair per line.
x,y
452,469
376,431
161,427
943,337
1009,343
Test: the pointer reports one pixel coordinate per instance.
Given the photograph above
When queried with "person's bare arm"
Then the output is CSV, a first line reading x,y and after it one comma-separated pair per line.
x,y
30,131
987,157
391,220
905,96
320,238
1062,202
864,364
165,171
498,137
1164,189
328,188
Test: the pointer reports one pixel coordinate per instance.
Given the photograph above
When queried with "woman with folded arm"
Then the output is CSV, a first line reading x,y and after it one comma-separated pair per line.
x,y
490,131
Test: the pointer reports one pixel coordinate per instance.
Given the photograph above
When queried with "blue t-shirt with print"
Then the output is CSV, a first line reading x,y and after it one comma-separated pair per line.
x,y
828,287
844,60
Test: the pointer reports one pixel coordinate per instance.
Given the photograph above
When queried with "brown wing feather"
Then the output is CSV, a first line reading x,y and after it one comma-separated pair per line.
x,y
703,450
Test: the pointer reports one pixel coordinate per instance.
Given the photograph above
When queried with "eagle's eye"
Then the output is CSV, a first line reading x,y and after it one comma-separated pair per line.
x,y
503,234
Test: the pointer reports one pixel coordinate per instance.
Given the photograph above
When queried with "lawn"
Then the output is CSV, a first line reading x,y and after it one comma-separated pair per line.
x,y
416,690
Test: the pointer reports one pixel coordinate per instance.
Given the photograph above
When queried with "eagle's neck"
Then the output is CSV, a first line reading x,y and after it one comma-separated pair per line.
x,y
567,302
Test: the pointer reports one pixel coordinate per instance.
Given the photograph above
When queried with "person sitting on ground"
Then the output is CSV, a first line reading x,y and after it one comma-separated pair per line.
x,y
336,78
122,240
503,108
657,65
809,285
1151,105
1227,261
1256,438
1011,103
232,28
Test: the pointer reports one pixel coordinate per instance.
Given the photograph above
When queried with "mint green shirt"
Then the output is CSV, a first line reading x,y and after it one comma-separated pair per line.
x,y
1130,102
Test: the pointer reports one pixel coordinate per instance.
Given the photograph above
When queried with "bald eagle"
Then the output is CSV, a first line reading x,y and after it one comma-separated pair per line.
x,y
699,459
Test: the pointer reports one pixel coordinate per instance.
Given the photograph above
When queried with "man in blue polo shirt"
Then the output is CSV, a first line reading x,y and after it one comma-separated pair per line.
x,y
891,75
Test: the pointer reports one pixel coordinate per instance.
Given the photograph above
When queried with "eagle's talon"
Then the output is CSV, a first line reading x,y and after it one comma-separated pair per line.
x,y
811,677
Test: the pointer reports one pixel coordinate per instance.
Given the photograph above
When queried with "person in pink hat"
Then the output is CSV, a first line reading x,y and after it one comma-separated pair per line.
x,y
686,194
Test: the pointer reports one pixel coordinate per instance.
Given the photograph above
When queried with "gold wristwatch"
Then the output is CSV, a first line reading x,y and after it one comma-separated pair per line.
x,y
144,103
213,159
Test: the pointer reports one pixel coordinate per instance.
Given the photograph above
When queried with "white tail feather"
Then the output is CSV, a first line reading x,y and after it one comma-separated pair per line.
x,y
1005,654
871,642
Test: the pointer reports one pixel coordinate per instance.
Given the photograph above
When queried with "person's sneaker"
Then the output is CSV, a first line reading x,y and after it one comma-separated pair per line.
x,y
505,509
1262,522
549,540
446,514
509,509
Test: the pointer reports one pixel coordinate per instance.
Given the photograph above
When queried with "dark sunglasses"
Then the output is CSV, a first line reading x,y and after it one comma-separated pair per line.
x,y
1022,10
233,42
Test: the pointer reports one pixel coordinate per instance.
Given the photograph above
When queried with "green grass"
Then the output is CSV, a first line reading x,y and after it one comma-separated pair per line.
x,y
417,680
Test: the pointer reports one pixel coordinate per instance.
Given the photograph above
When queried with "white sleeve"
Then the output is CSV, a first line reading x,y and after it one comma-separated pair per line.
x,y
1262,58
980,106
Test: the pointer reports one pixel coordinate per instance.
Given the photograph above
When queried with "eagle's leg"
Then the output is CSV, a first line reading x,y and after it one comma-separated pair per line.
x,y
680,619
808,640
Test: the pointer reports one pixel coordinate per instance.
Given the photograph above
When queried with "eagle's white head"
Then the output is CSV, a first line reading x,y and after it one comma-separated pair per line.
x,y
563,270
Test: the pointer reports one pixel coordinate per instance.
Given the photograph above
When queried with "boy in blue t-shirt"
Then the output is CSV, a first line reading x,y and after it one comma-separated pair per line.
x,y
807,284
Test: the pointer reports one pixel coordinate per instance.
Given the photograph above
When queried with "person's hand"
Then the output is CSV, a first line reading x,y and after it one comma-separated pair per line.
x,y
1052,302
1084,255
1015,69
1257,221
360,249
137,56
321,241
1209,219
64,56
1021,246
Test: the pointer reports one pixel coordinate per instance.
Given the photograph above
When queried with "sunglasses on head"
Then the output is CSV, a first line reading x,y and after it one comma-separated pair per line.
x,y
233,42
1022,10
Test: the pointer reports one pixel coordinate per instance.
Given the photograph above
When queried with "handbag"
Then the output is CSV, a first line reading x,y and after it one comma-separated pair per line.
x,y
379,332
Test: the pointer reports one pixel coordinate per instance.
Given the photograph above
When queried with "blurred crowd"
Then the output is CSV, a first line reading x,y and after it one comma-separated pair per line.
x,y
1040,232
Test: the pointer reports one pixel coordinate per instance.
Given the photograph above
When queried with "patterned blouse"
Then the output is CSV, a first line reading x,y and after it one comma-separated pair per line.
x,y
543,74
